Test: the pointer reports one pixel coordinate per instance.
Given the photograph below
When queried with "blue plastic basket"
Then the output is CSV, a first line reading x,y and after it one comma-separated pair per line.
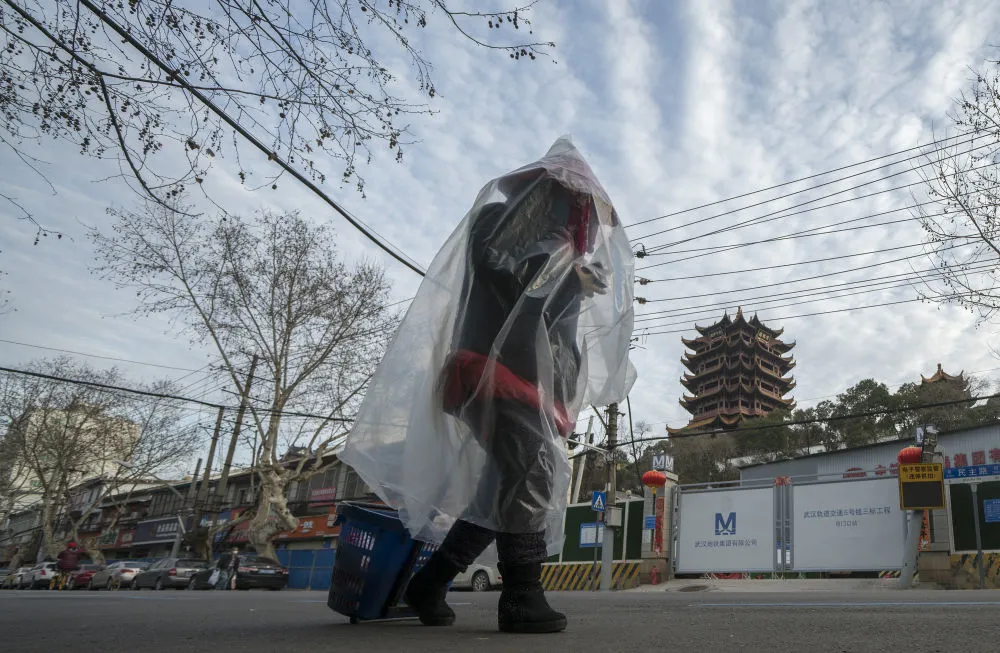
x,y
376,557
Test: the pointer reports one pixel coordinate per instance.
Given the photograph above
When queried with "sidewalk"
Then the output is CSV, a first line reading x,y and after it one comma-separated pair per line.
x,y
788,585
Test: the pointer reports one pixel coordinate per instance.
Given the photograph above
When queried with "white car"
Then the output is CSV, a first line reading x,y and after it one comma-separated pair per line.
x,y
478,578
39,576
16,578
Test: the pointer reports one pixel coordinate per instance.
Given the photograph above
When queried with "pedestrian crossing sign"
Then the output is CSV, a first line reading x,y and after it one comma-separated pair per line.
x,y
599,502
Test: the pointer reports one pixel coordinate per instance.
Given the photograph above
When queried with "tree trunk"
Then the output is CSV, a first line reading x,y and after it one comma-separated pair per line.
x,y
273,515
47,547
92,547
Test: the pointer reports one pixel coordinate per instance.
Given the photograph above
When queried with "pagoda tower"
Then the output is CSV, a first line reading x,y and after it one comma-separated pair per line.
x,y
942,377
736,370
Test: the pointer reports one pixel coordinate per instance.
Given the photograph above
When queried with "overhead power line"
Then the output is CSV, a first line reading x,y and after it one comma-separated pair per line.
x,y
801,279
801,179
874,284
162,395
778,266
830,312
102,357
180,79
781,214
811,232
698,316
806,202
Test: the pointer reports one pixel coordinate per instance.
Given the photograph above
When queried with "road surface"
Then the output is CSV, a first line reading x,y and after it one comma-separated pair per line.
x,y
149,622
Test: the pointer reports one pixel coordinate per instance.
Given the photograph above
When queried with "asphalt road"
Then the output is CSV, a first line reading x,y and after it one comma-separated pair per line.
x,y
148,622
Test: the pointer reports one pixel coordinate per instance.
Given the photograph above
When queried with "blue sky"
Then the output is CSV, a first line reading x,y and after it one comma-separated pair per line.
x,y
676,104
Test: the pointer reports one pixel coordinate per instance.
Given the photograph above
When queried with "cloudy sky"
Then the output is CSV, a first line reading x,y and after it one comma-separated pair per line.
x,y
676,105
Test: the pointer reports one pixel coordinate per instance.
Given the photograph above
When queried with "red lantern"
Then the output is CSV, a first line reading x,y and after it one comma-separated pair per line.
x,y
910,455
654,479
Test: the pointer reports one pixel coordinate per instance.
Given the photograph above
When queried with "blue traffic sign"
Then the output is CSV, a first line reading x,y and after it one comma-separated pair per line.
x,y
599,502
649,522
992,509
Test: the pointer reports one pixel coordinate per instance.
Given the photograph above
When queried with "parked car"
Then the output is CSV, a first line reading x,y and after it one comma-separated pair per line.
x,y
40,576
15,578
478,578
119,573
4,573
81,577
169,572
254,572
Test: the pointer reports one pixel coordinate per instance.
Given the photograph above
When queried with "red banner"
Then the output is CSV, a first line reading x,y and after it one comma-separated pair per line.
x,y
313,526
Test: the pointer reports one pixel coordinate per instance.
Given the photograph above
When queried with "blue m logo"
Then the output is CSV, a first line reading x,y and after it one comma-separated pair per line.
x,y
725,526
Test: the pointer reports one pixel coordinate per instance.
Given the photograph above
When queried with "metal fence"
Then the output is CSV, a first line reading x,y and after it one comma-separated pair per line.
x,y
816,524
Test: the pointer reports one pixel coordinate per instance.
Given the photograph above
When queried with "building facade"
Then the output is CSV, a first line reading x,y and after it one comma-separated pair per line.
x,y
143,522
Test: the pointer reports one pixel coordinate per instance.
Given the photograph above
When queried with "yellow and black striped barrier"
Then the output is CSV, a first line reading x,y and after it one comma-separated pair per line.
x,y
895,573
586,576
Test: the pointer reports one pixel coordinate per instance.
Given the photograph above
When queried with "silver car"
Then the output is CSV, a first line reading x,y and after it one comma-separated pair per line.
x,y
117,574
478,578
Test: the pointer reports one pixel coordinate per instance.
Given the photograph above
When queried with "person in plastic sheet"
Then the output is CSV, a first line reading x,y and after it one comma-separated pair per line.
x,y
528,312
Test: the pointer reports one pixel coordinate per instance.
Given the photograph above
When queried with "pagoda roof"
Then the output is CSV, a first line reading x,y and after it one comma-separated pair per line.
x,y
748,390
715,421
689,360
739,320
941,375
733,365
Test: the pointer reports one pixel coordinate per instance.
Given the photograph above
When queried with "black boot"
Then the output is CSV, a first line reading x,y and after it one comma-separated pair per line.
x,y
523,608
428,589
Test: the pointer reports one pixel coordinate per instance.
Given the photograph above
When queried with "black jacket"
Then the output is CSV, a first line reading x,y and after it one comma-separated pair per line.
x,y
510,244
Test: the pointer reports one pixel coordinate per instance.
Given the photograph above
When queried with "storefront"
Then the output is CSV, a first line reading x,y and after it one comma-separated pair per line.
x,y
116,543
154,538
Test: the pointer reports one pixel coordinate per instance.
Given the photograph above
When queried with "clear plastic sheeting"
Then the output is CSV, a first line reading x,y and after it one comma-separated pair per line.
x,y
525,316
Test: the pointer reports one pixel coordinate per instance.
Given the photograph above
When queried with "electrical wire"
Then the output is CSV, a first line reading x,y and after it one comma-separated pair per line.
x,y
643,300
162,395
780,214
99,356
827,296
829,312
800,179
710,311
810,233
807,202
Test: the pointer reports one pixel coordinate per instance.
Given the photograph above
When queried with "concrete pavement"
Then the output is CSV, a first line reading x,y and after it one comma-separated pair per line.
x,y
845,585
150,622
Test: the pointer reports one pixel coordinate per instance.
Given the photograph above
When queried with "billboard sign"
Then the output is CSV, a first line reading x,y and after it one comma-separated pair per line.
x,y
921,486
726,531
156,531
323,496
856,526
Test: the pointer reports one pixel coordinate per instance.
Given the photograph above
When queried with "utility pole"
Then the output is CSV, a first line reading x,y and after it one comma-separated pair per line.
x,y
224,478
189,499
582,462
612,517
201,495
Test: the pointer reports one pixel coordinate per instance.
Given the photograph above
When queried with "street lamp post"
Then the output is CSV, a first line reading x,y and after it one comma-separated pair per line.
x,y
181,531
